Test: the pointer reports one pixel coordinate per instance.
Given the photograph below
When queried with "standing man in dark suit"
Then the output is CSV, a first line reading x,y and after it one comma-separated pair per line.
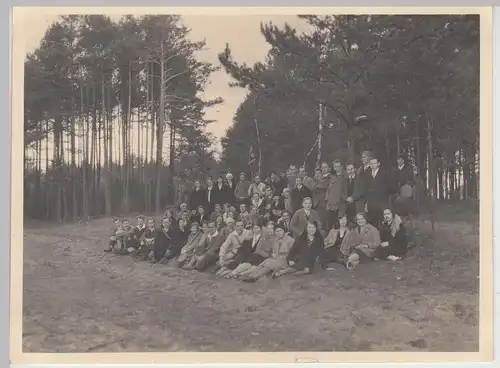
x,y
197,197
354,194
377,191
299,193
221,191
365,168
335,195
211,196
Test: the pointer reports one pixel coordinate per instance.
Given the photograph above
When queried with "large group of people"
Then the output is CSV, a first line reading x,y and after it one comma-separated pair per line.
x,y
288,223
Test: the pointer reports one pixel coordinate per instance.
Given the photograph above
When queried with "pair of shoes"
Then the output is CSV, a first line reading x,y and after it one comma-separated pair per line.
x,y
393,258
108,250
249,279
351,264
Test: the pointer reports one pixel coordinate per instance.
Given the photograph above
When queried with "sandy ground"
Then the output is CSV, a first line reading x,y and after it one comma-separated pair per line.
x,y
79,299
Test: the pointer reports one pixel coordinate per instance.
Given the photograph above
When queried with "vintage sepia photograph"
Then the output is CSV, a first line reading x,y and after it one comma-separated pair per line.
x,y
251,182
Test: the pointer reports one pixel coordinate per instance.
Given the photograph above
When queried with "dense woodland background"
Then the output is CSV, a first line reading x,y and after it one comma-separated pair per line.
x,y
114,111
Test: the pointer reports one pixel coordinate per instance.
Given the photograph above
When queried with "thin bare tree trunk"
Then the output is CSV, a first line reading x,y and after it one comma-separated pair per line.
x,y
107,186
159,139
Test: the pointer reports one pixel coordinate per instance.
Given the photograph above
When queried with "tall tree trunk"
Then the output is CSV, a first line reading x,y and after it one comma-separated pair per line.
x,y
159,139
85,208
129,163
107,184
171,165
431,169
73,168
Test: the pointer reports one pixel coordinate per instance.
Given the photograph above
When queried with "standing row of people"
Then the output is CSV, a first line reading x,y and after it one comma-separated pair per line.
x,y
343,190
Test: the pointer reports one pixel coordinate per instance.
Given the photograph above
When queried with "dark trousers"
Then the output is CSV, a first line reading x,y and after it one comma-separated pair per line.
x,y
332,221
333,255
375,215
362,256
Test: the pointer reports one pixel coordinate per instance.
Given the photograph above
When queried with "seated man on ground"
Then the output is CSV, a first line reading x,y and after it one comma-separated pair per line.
x,y
337,244
262,247
305,250
276,262
125,236
138,231
112,239
393,238
164,238
364,239
145,250
302,217
186,259
208,252
231,245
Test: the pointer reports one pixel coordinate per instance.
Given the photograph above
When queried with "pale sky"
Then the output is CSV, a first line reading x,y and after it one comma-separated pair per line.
x,y
240,31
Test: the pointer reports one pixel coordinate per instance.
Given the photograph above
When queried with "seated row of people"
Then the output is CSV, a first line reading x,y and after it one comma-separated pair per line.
x,y
234,251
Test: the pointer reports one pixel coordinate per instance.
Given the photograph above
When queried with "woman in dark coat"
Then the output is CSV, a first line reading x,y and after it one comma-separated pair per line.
x,y
305,251
179,235
163,240
393,238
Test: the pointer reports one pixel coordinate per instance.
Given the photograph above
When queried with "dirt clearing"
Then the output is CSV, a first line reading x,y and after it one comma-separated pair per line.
x,y
79,299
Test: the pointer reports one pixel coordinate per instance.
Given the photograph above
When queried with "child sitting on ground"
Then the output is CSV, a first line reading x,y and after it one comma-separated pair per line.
x,y
112,238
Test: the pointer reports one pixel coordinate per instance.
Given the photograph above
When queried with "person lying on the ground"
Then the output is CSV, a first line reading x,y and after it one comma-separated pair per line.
x,y
337,246
164,239
364,240
124,236
260,251
276,262
147,241
231,245
393,237
112,239
186,258
208,252
302,217
306,249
